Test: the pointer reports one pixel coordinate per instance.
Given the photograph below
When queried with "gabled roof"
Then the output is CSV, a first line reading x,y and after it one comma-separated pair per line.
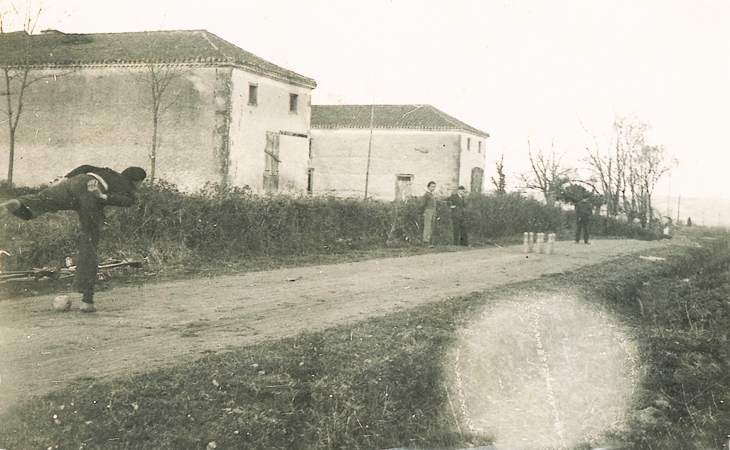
x,y
395,117
56,49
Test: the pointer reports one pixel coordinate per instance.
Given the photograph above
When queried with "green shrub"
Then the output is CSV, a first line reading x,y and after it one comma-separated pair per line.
x,y
607,226
494,215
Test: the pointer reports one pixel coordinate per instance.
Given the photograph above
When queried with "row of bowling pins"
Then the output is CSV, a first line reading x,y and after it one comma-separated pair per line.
x,y
536,242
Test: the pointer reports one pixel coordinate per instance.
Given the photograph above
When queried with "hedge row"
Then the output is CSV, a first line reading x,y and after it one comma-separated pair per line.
x,y
168,226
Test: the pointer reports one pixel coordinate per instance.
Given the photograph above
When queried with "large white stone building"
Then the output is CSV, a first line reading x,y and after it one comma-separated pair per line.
x,y
225,116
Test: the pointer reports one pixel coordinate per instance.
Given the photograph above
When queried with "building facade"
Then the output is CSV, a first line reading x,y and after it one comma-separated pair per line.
x,y
187,106
391,152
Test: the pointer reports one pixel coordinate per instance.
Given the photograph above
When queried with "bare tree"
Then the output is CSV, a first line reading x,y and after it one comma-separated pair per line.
x,y
18,75
547,174
501,182
159,77
602,166
629,140
163,80
611,168
650,163
24,17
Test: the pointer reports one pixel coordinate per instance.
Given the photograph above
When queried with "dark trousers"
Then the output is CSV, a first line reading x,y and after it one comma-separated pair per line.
x,y
582,224
73,195
460,236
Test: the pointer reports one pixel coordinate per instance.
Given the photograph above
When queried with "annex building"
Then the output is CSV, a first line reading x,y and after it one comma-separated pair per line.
x,y
392,151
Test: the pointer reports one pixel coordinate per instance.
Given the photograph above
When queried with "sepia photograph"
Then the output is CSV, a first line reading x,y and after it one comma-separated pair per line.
x,y
350,224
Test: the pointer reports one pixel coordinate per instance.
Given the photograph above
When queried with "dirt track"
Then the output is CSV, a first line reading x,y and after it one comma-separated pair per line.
x,y
138,329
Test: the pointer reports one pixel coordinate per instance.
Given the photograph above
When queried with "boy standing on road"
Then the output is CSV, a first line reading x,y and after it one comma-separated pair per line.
x,y
87,190
583,212
429,212
457,203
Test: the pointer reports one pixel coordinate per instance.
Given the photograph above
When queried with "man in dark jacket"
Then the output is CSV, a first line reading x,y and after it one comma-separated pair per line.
x,y
583,212
457,204
87,190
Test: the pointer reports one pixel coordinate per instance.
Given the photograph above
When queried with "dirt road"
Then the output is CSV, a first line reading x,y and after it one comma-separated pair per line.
x,y
138,329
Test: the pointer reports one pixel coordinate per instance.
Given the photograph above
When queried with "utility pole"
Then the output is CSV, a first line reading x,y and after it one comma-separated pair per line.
x,y
370,147
679,200
669,194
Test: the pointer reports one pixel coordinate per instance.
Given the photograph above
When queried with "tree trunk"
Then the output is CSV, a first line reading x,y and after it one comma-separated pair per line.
x,y
11,130
153,153
550,199
11,157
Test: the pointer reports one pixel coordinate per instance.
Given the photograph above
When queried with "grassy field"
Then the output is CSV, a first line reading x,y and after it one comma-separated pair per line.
x,y
379,383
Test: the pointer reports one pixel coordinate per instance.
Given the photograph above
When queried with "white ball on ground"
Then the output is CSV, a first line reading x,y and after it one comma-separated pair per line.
x,y
62,303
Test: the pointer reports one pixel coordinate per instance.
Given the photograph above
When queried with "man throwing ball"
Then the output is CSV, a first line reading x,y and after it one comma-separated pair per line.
x,y
87,190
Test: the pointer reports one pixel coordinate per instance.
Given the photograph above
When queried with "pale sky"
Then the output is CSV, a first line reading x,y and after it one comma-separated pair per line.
x,y
515,69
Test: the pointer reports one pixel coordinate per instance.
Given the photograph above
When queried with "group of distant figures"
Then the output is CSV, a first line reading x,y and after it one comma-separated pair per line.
x,y
457,205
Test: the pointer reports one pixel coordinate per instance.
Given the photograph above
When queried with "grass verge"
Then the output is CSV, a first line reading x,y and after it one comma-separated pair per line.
x,y
680,319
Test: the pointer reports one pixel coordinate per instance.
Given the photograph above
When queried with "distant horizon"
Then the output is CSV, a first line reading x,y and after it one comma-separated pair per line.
x,y
706,211
675,196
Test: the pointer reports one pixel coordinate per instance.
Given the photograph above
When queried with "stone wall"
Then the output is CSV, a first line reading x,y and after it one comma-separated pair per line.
x,y
208,133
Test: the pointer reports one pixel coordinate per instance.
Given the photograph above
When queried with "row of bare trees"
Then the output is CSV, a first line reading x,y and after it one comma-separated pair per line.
x,y
621,174
161,78
628,171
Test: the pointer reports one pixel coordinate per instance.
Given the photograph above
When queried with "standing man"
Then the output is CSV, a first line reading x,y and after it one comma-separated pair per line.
x,y
457,203
429,212
87,190
583,212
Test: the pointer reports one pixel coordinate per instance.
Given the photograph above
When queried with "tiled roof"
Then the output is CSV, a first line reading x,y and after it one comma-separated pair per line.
x,y
397,117
54,49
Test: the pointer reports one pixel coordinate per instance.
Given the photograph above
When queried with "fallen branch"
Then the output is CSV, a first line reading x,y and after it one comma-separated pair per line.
x,y
56,273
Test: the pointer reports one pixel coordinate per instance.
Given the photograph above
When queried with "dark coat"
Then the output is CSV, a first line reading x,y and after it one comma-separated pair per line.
x,y
74,194
120,191
583,210
457,205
